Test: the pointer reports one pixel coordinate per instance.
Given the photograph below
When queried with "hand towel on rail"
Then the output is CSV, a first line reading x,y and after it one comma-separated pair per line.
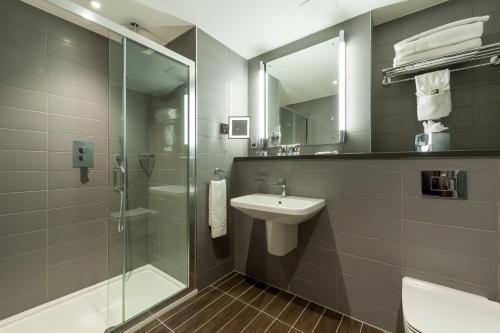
x,y
217,210
442,38
433,95
441,51
401,44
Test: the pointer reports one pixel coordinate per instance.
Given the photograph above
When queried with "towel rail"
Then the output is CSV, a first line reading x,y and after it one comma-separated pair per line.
x,y
491,51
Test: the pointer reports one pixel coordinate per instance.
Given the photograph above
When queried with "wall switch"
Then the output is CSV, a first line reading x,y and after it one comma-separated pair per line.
x,y
83,154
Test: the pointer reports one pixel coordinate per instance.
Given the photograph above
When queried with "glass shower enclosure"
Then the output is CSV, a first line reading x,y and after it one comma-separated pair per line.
x,y
86,248
149,173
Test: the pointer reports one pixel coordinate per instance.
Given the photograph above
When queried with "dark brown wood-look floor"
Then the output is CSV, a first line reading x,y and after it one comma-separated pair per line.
x,y
237,303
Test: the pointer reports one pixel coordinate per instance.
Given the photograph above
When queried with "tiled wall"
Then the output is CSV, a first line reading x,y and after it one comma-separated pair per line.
x,y
53,90
375,229
358,91
221,92
474,121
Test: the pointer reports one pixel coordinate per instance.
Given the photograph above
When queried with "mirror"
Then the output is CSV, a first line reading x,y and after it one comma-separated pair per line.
x,y
305,100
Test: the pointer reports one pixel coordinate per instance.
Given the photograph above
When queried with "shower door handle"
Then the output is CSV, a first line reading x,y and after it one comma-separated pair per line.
x,y
118,179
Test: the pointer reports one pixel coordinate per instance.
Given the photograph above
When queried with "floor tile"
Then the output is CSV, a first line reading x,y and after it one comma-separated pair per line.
x,y
265,298
203,316
242,287
175,319
241,320
231,282
149,326
160,329
252,293
349,325
369,329
329,322
224,279
221,319
293,310
309,318
259,324
278,304
278,327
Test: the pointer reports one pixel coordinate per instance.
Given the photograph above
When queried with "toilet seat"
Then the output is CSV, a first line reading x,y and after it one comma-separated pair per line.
x,y
431,308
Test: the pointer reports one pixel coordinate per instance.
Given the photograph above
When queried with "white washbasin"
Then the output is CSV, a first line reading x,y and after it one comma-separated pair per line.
x,y
287,210
282,216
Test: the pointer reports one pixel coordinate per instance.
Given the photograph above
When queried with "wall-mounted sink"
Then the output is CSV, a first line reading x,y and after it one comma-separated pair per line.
x,y
282,216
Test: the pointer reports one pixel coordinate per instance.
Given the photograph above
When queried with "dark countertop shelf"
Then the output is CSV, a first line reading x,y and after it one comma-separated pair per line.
x,y
487,153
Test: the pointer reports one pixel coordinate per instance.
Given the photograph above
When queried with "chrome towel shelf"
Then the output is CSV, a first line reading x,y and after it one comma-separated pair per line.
x,y
491,51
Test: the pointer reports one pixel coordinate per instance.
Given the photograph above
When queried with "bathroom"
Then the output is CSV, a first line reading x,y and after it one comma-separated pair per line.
x,y
300,166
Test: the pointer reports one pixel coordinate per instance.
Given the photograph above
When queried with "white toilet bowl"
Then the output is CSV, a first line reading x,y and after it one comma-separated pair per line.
x,y
431,308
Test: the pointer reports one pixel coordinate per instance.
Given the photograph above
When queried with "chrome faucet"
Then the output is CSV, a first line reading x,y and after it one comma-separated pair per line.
x,y
282,182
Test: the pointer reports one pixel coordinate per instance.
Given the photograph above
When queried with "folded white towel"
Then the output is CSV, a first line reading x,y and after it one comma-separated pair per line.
x,y
217,211
442,38
402,44
433,95
441,51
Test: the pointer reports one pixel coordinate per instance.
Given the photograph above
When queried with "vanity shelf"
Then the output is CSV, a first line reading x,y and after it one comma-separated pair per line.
x,y
491,52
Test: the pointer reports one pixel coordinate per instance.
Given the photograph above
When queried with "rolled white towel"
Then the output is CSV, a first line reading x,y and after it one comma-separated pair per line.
x,y
438,52
442,38
401,44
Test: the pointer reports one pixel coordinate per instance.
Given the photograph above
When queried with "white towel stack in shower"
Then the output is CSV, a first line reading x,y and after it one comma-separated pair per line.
x,y
453,37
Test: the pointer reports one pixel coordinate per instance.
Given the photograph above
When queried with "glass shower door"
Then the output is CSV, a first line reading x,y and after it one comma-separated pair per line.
x,y
149,234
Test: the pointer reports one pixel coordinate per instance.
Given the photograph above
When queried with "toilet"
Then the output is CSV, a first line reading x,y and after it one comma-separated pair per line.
x,y
432,308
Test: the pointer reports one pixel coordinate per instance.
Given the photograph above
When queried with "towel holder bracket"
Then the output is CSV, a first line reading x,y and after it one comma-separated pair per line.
x,y
491,52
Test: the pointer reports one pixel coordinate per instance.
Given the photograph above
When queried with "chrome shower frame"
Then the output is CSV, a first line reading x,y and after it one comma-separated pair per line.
x,y
126,34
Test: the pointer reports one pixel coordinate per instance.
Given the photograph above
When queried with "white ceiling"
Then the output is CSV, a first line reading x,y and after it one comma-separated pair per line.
x,y
249,27
307,74
253,27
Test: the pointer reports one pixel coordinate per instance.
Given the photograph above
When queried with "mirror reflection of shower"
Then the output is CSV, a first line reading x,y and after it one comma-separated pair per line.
x,y
169,117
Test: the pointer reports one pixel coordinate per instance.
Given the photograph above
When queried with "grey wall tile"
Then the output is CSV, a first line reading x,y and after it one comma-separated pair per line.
x,y
379,231
22,222
472,242
22,243
452,265
18,202
22,140
17,181
468,214
27,152
23,99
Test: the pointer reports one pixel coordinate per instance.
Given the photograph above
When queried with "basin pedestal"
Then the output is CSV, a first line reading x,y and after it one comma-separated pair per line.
x,y
281,238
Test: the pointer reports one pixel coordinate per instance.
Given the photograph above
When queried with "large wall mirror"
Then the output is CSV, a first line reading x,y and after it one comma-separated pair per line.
x,y
305,95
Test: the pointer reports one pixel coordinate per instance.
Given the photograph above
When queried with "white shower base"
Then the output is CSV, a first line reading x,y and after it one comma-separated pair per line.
x,y
86,311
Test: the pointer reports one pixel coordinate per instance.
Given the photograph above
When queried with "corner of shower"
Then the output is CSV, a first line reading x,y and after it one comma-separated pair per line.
x,y
121,245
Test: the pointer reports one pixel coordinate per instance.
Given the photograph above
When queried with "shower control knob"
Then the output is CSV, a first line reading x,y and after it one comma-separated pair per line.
x,y
80,150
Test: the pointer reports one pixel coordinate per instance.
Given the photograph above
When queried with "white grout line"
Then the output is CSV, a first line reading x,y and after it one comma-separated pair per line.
x,y
300,315
361,327
234,301
236,315
279,314
321,316
340,323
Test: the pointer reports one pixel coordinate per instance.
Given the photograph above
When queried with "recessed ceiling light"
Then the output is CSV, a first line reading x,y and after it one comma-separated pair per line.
x,y
335,82
95,4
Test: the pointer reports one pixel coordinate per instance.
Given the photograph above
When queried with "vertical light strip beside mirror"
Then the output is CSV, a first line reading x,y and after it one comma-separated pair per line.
x,y
342,86
262,101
